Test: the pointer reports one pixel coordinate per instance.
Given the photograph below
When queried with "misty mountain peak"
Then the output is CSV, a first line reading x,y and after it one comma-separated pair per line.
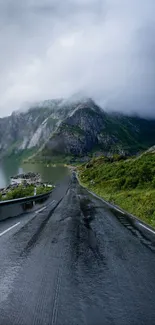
x,y
74,127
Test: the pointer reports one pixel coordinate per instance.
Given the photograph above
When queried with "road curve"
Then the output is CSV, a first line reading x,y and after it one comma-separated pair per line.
x,y
76,261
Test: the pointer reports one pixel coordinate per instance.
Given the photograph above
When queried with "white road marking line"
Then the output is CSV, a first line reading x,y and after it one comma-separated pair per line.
x,y
147,228
4,232
119,210
51,203
40,210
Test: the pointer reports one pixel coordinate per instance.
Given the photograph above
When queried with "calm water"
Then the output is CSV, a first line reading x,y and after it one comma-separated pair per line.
x,y
11,167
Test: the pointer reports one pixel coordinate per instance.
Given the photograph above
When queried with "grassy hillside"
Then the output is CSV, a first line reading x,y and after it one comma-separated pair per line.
x,y
128,183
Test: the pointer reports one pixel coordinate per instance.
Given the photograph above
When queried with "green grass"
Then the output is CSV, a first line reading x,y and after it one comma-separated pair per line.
x,y
128,183
21,191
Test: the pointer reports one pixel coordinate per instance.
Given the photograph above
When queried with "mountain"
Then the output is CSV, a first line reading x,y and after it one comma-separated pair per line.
x,y
89,129
73,129
31,128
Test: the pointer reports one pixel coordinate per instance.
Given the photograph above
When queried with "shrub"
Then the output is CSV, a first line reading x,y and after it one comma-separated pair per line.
x,y
21,191
120,183
43,189
153,182
131,182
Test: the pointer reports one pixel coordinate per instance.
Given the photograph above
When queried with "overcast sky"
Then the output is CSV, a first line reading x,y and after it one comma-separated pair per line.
x,y
103,49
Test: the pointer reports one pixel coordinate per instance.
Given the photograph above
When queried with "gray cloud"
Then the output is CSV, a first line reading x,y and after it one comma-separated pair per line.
x,y
56,48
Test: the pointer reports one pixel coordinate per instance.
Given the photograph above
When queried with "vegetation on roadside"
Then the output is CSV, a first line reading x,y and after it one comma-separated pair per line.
x,y
22,191
129,183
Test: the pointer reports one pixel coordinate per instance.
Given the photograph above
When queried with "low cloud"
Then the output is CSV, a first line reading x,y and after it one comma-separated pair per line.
x,y
101,49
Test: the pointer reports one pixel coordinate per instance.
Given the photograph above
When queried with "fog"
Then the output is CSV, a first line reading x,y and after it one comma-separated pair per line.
x,y
96,48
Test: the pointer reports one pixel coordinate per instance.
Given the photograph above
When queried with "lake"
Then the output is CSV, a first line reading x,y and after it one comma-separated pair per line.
x,y
11,167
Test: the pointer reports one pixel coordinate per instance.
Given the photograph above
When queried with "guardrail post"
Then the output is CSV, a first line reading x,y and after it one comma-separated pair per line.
x,y
35,193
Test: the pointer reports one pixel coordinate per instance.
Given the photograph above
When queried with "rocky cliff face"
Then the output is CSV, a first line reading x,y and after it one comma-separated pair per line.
x,y
77,134
30,129
89,129
57,127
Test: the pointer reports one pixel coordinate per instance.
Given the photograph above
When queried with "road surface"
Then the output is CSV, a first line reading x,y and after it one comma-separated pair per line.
x,y
76,261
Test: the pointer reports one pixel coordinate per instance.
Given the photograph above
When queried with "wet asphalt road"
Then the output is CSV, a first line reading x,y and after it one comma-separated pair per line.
x,y
76,262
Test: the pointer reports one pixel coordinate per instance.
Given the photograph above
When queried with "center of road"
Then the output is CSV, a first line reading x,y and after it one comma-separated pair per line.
x,y
42,209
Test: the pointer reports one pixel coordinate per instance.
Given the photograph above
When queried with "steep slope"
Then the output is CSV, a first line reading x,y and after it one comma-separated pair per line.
x,y
77,134
129,183
89,129
30,129
74,128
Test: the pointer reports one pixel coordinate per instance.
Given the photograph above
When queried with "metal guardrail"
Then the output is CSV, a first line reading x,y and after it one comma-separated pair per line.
x,y
26,199
13,208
